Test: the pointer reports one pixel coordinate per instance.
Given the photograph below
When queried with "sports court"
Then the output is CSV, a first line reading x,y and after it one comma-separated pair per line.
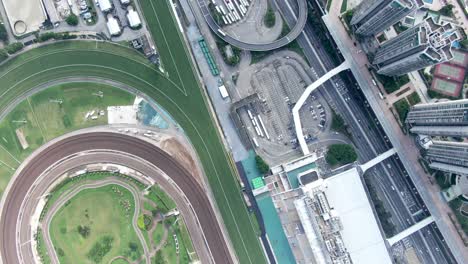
x,y
446,87
450,72
24,16
460,58
449,76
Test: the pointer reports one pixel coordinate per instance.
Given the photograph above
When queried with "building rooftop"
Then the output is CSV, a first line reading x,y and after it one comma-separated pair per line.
x,y
105,5
113,26
360,231
133,18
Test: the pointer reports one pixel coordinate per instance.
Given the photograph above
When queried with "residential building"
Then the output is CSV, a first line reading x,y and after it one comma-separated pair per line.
x,y
449,157
423,45
374,16
440,119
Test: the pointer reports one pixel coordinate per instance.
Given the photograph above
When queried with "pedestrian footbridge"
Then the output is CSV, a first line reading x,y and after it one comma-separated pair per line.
x,y
303,98
409,231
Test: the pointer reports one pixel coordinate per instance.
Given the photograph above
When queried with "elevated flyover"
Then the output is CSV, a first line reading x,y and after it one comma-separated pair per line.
x,y
292,35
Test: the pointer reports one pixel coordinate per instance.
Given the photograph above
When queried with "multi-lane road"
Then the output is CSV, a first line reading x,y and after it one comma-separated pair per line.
x,y
390,179
195,194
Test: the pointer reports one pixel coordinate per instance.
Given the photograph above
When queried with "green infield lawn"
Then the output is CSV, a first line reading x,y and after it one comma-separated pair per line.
x,y
180,94
77,99
111,217
40,120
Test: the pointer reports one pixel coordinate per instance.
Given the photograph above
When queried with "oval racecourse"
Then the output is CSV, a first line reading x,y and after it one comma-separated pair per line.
x,y
177,90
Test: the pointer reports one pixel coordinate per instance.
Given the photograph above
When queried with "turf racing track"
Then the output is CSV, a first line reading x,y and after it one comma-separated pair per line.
x,y
177,91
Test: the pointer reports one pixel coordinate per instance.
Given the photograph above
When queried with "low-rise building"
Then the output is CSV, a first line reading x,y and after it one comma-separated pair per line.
x,y
134,20
105,5
113,26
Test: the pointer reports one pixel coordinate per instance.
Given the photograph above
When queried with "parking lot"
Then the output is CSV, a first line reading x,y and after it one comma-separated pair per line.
x,y
279,83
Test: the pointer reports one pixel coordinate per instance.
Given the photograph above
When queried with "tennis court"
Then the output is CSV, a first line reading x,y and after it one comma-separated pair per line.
x,y
446,87
450,72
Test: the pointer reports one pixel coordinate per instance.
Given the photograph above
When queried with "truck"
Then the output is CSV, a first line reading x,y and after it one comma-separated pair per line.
x,y
223,91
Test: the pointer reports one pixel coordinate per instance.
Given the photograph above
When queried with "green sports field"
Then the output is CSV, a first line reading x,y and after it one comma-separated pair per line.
x,y
108,218
180,94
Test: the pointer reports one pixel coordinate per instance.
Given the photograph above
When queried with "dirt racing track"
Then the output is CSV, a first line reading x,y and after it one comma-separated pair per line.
x,y
111,142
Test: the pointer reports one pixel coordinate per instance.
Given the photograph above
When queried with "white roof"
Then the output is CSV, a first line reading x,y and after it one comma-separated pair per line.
x,y
105,5
133,18
223,91
124,1
113,26
122,115
361,234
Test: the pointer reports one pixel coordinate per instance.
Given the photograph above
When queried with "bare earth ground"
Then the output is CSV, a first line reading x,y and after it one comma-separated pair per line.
x,y
183,155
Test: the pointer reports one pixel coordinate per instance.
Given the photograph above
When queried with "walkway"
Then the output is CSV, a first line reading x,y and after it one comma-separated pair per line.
x,y
378,159
303,98
407,232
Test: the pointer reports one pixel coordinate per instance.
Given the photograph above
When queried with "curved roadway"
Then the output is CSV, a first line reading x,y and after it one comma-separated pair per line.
x,y
292,35
113,142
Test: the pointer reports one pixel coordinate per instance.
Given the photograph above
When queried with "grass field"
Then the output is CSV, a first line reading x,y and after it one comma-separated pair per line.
x,y
163,204
41,120
180,94
78,99
108,217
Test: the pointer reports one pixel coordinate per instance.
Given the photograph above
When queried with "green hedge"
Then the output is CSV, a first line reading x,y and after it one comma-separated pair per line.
x,y
269,19
14,47
340,154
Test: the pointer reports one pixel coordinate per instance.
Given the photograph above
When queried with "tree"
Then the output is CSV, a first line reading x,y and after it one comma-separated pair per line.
x,y
72,20
159,258
3,33
84,231
338,123
3,55
269,19
14,47
133,246
262,166
447,10
340,154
